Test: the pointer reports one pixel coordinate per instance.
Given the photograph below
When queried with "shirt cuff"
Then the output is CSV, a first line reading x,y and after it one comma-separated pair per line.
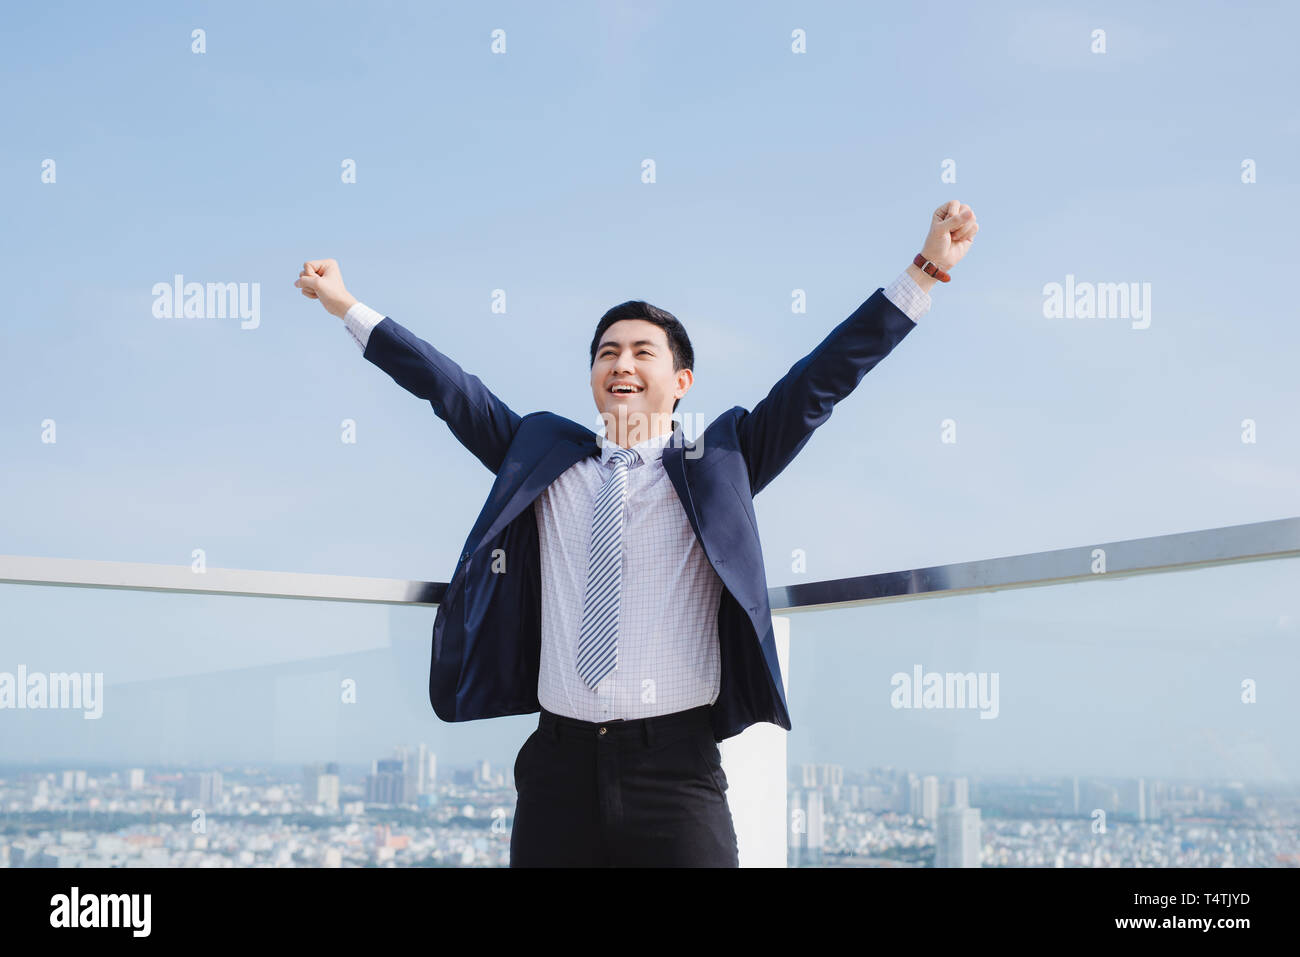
x,y
911,299
359,320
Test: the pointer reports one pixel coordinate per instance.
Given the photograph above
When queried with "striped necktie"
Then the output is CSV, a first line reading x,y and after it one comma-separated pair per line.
x,y
598,640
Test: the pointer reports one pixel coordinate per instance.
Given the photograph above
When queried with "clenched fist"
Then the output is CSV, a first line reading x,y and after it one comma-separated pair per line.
x,y
321,279
952,230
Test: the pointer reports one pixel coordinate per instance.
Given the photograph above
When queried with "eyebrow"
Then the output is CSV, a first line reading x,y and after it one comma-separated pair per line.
x,y
639,342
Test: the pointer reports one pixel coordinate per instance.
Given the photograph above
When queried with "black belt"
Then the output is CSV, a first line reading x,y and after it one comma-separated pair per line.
x,y
558,725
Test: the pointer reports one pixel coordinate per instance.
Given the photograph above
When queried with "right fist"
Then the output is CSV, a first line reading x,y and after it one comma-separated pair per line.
x,y
321,279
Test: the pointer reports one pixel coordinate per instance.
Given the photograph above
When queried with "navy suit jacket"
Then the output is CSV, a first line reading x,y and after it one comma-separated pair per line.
x,y
487,633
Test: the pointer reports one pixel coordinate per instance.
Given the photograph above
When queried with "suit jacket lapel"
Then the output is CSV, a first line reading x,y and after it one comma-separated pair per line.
x,y
559,457
672,457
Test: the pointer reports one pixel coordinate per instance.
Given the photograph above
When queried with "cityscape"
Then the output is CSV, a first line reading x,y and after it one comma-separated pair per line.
x,y
400,812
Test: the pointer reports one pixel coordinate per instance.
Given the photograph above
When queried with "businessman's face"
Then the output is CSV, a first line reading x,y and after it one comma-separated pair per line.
x,y
633,373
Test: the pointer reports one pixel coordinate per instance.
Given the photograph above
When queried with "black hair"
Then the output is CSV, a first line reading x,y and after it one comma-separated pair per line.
x,y
678,342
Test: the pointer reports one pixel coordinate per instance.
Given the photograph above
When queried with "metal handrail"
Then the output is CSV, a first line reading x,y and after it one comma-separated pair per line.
x,y
1228,545
1258,541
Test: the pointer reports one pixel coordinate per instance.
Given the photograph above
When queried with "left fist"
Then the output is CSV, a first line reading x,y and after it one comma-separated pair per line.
x,y
952,230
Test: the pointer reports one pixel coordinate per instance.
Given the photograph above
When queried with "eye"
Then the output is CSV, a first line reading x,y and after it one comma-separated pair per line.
x,y
644,352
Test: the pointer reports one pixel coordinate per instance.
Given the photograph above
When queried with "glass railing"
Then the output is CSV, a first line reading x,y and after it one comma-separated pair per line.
x,y
218,730
1122,704
1135,722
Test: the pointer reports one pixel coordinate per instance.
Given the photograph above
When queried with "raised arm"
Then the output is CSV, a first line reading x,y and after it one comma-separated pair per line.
x,y
779,426
479,420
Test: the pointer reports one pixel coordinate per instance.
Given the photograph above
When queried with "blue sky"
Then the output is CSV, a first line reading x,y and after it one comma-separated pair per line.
x,y
775,172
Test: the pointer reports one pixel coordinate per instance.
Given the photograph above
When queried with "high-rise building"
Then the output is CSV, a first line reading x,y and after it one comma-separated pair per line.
x,y
795,828
929,797
426,768
1156,795
134,779
203,788
410,781
957,838
816,827
960,793
386,784
420,765
835,779
822,776
320,785
1135,799
807,829
412,760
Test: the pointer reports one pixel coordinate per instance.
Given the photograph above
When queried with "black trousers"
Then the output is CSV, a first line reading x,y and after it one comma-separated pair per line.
x,y
648,792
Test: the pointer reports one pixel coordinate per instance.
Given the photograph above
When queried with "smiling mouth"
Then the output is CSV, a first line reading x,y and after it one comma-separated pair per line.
x,y
625,390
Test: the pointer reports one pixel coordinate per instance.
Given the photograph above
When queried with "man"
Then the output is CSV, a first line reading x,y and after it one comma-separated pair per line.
x,y
617,585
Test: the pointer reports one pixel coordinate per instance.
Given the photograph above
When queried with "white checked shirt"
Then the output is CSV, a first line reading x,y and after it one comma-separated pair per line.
x,y
668,655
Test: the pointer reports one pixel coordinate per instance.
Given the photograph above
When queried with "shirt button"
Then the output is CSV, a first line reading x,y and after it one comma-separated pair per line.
x,y
602,731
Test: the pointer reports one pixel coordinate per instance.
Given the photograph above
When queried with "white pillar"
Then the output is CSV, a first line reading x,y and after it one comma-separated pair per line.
x,y
754,762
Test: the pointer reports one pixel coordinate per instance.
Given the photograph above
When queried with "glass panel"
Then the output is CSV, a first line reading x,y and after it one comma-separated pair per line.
x,y
1159,707
278,721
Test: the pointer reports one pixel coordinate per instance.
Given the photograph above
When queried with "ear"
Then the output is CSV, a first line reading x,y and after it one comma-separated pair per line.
x,y
685,378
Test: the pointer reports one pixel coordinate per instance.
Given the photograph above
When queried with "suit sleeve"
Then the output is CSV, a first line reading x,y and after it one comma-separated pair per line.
x,y
780,425
478,419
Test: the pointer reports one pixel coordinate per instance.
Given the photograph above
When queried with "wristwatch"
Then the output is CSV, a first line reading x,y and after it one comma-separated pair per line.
x,y
930,269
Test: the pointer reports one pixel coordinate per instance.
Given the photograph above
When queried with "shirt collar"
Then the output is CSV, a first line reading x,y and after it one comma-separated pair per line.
x,y
649,451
